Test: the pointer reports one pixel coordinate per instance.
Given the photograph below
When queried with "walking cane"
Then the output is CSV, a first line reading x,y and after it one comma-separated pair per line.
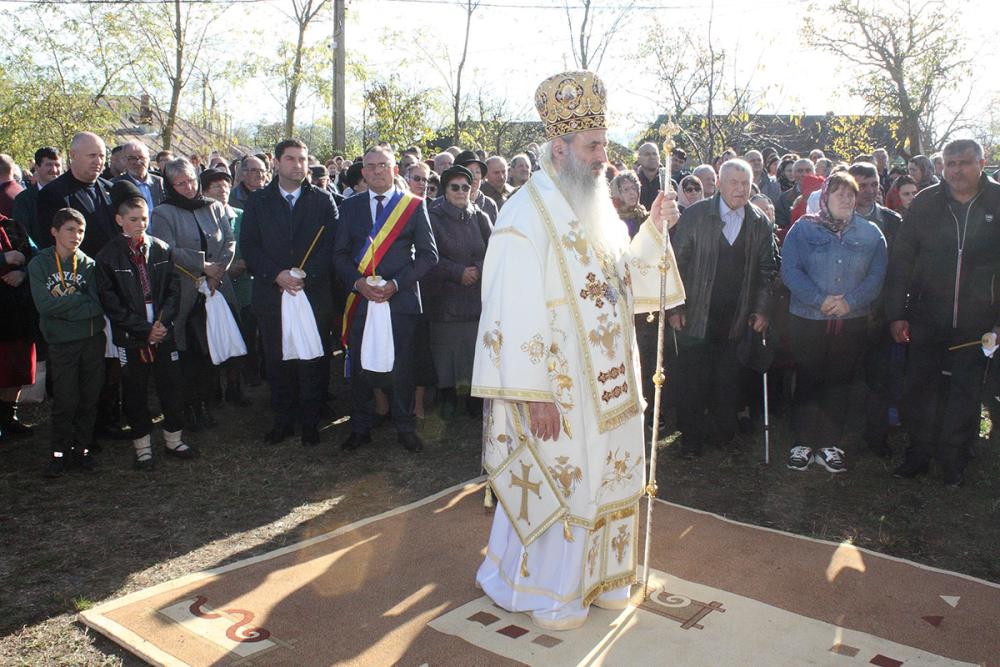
x,y
658,377
767,421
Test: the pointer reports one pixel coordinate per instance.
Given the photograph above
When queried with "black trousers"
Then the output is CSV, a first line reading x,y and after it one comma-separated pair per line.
x,y
166,372
399,382
826,357
708,391
645,338
294,383
943,390
77,372
248,329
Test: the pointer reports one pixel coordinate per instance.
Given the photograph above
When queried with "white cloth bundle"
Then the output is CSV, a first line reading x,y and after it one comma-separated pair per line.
x,y
111,351
299,334
377,350
224,338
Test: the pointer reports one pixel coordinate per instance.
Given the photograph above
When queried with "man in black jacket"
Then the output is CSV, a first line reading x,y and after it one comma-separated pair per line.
x,y
407,253
48,166
941,293
81,188
280,224
726,253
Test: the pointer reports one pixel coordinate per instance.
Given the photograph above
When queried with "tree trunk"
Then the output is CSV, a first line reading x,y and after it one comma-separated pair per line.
x,y
176,81
457,102
293,90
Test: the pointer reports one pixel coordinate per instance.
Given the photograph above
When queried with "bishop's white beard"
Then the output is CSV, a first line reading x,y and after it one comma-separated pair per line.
x,y
590,199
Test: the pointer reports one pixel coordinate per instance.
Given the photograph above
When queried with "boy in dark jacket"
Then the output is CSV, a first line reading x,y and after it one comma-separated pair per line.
x,y
141,295
64,289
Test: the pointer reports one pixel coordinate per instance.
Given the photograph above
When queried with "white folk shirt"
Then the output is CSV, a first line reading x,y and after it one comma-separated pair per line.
x,y
557,325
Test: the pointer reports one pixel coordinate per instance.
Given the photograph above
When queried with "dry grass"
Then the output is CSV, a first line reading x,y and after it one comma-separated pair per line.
x,y
85,539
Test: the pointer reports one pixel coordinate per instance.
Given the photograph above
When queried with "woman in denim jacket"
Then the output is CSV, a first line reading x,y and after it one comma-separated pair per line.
x,y
834,264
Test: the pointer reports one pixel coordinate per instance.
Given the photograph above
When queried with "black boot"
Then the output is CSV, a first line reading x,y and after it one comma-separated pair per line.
x,y
235,395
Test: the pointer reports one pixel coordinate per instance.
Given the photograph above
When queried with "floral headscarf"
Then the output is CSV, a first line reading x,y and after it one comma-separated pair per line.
x,y
824,217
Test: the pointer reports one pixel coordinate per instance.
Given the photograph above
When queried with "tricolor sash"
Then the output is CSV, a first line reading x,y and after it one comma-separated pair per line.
x,y
384,233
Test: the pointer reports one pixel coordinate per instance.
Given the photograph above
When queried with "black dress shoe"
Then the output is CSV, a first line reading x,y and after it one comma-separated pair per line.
x,y
277,434
410,442
355,440
310,436
911,468
17,427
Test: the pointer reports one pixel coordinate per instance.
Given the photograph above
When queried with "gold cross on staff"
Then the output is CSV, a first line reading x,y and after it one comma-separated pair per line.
x,y
526,485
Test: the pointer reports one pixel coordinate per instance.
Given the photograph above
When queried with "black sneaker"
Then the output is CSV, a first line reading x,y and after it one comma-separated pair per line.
x,y
55,467
831,458
800,457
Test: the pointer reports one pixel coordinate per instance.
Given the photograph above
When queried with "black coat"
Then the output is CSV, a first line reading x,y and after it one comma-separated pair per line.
x,y
696,247
409,258
121,292
920,283
274,238
461,236
65,192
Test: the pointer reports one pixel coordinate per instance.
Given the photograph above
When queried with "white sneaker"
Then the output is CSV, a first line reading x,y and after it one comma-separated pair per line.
x,y
831,458
800,457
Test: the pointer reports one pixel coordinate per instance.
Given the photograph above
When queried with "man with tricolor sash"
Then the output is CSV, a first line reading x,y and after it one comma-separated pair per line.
x,y
384,246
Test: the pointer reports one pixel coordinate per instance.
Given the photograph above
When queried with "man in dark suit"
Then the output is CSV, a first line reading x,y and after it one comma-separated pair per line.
x,y
48,166
137,171
279,225
410,255
82,189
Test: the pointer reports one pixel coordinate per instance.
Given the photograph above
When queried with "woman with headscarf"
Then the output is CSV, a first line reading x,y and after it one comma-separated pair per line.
x,y
198,232
834,264
785,169
922,171
689,191
624,189
453,302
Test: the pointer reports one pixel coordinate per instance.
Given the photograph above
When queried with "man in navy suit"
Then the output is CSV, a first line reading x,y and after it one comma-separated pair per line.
x,y
402,259
279,224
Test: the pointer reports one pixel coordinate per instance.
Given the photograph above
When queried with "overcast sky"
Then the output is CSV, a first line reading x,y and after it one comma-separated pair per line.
x,y
517,43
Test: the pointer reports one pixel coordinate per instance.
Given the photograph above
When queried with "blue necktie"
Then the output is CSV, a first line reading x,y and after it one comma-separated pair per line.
x,y
291,201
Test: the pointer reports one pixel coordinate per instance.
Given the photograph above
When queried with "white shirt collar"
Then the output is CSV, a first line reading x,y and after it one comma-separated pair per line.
x,y
387,195
295,193
725,211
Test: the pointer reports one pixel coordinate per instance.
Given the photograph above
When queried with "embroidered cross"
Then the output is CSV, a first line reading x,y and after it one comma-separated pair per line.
x,y
595,290
526,485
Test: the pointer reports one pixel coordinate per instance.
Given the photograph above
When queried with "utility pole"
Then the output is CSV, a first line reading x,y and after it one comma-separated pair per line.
x,y
339,65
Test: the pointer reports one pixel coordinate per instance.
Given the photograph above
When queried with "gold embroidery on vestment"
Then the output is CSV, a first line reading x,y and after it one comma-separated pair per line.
x,y
493,342
612,373
535,348
595,290
605,335
616,392
567,474
576,241
620,543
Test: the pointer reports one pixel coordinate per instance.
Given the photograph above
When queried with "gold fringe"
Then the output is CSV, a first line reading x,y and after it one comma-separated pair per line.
x,y
567,533
524,565
488,502
609,585
613,422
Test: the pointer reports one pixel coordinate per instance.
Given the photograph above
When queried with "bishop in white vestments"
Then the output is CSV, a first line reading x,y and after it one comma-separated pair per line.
x,y
558,366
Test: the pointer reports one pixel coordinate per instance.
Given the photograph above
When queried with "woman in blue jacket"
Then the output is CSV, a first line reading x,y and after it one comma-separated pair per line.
x,y
833,263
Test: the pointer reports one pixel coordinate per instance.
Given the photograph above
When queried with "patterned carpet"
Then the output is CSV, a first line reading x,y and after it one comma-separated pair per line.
x,y
399,589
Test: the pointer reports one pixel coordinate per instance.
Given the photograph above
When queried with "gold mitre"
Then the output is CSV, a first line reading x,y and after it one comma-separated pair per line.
x,y
571,102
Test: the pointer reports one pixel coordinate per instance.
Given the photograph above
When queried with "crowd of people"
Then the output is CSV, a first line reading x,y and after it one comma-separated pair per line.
x,y
114,267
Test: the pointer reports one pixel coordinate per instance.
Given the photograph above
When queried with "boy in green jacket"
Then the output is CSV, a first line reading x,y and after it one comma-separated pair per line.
x,y
64,289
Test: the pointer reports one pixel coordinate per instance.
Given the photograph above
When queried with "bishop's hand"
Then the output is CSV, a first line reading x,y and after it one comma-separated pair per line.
x,y
544,420
665,210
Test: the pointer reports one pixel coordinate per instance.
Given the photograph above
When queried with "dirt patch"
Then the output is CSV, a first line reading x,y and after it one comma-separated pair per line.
x,y
84,539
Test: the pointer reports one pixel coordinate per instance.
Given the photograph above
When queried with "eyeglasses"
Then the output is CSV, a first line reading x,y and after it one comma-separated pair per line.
x,y
134,158
377,165
459,187
254,171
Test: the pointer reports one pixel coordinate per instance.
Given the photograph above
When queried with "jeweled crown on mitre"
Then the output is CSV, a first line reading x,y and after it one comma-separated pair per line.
x,y
571,102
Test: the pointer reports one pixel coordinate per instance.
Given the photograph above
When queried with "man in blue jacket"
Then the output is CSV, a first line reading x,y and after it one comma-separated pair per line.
x,y
384,245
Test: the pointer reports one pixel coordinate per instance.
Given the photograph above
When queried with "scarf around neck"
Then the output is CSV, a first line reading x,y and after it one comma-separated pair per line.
x,y
824,217
171,196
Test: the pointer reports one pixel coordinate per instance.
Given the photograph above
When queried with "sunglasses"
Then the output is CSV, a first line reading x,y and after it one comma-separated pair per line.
x,y
459,187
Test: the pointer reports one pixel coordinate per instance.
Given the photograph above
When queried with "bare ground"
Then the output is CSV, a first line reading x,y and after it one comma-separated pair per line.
x,y
78,541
